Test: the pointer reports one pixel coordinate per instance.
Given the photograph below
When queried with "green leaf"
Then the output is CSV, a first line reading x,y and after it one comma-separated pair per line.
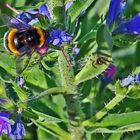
x,y
119,89
127,128
119,119
90,70
115,136
125,40
134,93
46,117
8,63
103,38
22,63
30,114
20,92
37,77
57,9
78,7
55,128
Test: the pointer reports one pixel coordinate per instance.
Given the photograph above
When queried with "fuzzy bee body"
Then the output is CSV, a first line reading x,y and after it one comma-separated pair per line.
x,y
19,42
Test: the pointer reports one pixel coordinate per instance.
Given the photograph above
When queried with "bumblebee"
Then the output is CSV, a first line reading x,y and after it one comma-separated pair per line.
x,y
20,42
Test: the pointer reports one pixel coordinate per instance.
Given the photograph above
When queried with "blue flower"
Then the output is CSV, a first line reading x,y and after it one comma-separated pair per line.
x,y
131,26
5,124
18,130
108,75
30,17
57,37
137,78
115,9
127,81
44,10
20,81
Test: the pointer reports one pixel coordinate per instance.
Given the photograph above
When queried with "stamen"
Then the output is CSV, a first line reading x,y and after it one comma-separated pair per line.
x,y
11,8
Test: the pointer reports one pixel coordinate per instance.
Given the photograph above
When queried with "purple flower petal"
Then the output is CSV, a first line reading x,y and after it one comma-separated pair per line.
x,y
65,37
127,81
5,124
56,41
131,26
30,17
137,78
18,130
110,71
116,7
20,81
76,51
108,75
57,37
44,10
2,100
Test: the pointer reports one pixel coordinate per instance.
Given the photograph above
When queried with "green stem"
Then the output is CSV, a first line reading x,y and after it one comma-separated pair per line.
x,y
55,90
99,115
72,99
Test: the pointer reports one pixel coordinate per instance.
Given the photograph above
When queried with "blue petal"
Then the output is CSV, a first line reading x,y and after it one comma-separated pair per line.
x,y
44,10
5,114
76,51
56,42
18,130
127,81
131,26
65,37
116,7
137,78
57,37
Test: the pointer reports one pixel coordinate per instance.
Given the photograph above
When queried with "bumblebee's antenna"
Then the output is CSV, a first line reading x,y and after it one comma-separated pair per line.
x,y
11,8
69,63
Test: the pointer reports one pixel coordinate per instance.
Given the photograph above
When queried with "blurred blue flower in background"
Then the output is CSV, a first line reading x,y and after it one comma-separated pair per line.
x,y
131,26
18,130
115,9
127,81
109,74
5,124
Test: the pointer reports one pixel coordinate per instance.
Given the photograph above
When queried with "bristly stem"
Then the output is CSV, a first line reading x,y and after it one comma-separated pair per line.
x,y
11,8
72,98
99,115
55,90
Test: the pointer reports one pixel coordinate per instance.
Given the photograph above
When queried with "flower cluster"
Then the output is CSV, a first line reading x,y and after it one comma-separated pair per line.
x,y
131,26
131,79
17,131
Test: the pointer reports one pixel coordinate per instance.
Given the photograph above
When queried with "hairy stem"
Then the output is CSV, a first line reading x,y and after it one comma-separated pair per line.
x,y
99,115
72,99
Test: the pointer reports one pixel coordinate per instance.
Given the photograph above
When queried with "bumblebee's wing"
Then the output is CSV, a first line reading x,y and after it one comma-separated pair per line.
x,y
14,22
22,62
